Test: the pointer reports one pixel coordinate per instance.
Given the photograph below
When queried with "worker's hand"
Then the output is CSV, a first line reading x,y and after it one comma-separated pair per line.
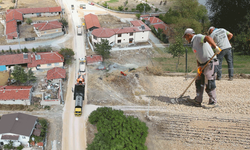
x,y
217,50
199,71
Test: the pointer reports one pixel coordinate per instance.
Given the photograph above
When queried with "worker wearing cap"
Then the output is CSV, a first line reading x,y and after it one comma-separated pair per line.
x,y
203,52
221,37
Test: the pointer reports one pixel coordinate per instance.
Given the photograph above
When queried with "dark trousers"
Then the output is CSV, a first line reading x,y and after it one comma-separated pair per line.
x,y
227,53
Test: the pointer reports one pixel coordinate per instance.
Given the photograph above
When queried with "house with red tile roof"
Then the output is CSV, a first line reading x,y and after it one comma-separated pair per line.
x,y
139,32
15,95
92,22
17,127
46,28
35,61
157,23
56,74
94,59
13,16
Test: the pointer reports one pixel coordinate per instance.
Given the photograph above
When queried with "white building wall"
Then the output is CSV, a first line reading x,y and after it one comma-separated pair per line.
x,y
21,102
50,66
42,14
111,39
24,139
50,14
141,36
124,38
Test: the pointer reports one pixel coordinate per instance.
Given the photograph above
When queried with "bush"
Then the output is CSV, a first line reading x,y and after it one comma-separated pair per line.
x,y
29,21
47,107
11,7
116,131
126,8
138,16
120,8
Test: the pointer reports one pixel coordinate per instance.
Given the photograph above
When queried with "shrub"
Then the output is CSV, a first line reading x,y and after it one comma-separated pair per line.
x,y
138,16
116,131
29,21
47,107
12,7
120,8
126,8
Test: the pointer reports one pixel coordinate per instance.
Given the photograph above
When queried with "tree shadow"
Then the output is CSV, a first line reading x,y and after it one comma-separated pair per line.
x,y
172,100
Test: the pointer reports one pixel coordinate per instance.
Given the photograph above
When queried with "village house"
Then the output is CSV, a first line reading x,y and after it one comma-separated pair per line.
x,y
157,23
16,95
94,59
14,17
139,32
46,28
56,74
35,61
17,127
92,22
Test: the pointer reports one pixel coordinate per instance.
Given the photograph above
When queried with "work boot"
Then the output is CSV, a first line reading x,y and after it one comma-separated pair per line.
x,y
230,79
218,78
211,105
194,102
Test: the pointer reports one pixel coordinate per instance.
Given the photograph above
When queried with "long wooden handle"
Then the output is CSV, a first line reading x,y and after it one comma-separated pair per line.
x,y
197,75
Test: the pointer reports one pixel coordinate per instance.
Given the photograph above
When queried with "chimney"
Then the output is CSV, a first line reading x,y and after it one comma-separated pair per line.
x,y
16,118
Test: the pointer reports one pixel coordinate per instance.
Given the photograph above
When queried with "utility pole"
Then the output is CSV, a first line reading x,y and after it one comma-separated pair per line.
x,y
19,42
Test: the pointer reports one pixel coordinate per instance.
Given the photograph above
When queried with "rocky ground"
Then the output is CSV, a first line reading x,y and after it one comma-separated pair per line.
x,y
173,123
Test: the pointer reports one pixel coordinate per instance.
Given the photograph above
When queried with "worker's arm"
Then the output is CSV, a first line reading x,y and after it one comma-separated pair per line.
x,y
210,41
229,36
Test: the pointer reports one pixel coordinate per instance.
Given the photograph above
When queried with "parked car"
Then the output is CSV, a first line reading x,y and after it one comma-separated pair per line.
x,y
91,3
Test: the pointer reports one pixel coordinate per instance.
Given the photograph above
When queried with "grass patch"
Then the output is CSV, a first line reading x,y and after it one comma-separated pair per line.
x,y
113,1
241,63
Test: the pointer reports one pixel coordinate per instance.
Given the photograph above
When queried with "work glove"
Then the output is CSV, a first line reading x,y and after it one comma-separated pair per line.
x,y
199,71
217,50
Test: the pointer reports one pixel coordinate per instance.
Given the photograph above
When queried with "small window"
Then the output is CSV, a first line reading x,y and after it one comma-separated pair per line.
x,y
48,64
44,31
131,34
32,13
119,41
13,100
119,35
57,30
142,37
52,13
56,64
111,43
24,137
38,65
95,37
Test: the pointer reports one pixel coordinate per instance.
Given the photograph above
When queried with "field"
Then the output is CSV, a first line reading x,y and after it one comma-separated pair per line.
x,y
36,3
6,4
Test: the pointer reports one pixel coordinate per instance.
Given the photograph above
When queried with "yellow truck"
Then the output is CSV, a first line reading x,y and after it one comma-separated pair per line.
x,y
79,92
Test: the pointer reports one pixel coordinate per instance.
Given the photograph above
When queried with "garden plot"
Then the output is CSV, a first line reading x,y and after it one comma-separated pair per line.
x,y
36,3
110,21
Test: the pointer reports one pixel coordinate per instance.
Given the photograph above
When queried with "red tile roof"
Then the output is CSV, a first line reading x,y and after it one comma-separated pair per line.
x,y
131,29
14,59
15,92
32,143
39,10
48,25
91,20
10,137
94,59
40,144
161,26
46,58
153,20
137,23
14,14
103,32
56,73
11,29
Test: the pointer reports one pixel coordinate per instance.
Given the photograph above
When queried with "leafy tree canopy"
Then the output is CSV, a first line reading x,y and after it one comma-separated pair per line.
x,y
64,22
67,54
19,74
103,48
116,131
140,7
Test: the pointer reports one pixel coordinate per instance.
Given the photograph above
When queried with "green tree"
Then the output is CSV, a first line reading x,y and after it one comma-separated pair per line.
x,y
177,49
33,50
30,76
25,50
18,51
9,146
3,51
138,16
20,147
105,4
10,50
116,131
67,54
126,8
64,22
140,7
120,8
156,9
103,48
19,74
29,21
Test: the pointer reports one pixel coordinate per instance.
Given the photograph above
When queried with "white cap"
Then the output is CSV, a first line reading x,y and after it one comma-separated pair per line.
x,y
212,27
188,31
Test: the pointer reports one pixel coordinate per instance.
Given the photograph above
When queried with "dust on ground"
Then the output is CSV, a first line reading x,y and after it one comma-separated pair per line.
x,y
173,123
36,3
6,4
4,75
2,36
41,19
27,31
110,21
